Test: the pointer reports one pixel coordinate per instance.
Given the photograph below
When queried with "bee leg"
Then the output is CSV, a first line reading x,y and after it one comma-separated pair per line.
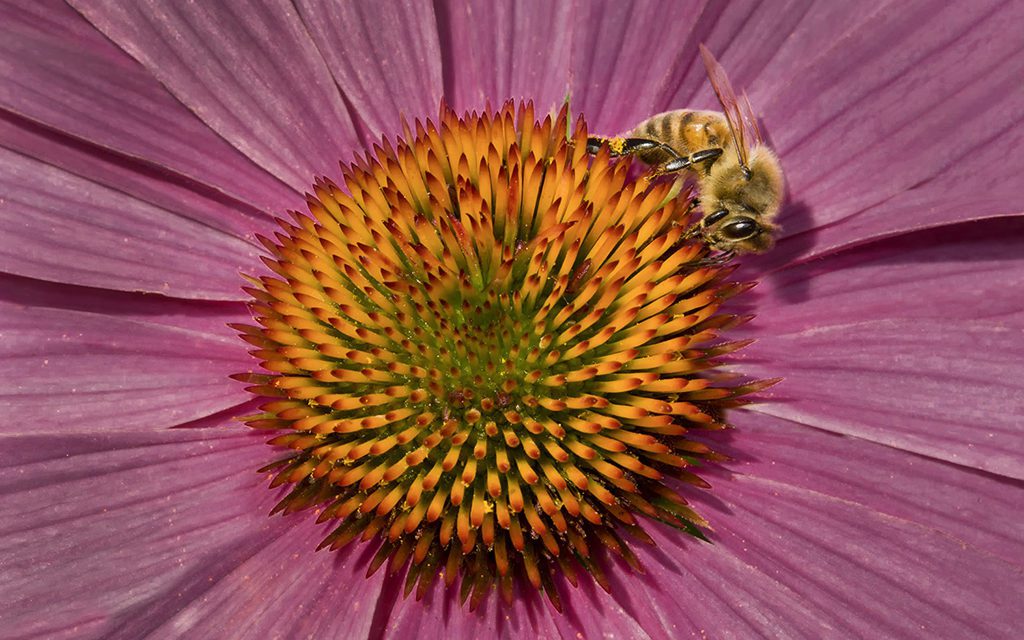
x,y
644,146
680,163
616,146
630,146
692,230
715,259
594,144
724,258
641,145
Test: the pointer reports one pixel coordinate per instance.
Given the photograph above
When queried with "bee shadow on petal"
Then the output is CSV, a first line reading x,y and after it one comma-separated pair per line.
x,y
789,249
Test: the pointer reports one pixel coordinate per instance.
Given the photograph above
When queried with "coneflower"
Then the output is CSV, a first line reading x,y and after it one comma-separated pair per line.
x,y
488,351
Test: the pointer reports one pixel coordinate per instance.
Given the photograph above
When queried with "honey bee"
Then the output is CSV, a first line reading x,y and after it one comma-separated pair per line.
x,y
739,180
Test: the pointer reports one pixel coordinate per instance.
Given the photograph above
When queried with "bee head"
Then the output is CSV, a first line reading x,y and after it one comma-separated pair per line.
x,y
742,201
734,229
757,185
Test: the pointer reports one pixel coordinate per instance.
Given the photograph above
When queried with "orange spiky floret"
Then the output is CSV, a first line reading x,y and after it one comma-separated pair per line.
x,y
486,351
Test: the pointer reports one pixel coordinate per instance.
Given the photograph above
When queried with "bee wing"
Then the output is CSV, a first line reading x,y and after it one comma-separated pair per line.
x,y
750,120
738,115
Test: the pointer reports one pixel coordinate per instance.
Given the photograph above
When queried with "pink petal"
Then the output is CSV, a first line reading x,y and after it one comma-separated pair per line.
x,y
141,180
75,83
61,227
908,122
284,589
948,390
971,506
791,562
200,316
385,58
956,273
624,52
252,74
493,51
113,535
788,38
632,60
529,616
693,590
75,372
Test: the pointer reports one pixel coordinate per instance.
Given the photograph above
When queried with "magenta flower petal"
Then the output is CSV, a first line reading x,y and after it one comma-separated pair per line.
x,y
64,228
282,590
951,392
269,93
385,58
104,536
82,90
75,372
495,51
204,317
527,618
619,47
783,548
178,195
910,342
937,495
907,125
791,559
789,39
955,273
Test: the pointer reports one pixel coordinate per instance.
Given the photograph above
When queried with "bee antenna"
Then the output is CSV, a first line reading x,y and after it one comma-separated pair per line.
x,y
746,172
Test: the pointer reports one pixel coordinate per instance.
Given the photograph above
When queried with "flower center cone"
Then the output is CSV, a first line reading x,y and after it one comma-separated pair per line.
x,y
485,353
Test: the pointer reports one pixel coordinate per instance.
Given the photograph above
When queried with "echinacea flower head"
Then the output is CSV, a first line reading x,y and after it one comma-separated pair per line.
x,y
488,352
508,390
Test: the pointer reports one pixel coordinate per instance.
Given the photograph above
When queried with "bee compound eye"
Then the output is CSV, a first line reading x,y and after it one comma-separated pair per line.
x,y
715,216
740,229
